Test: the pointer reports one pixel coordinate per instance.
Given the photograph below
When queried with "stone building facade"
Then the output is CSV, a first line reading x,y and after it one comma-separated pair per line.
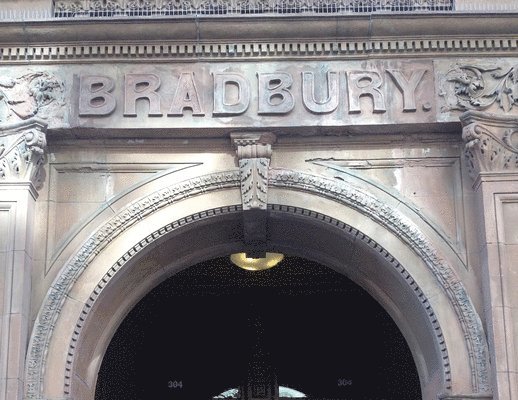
x,y
377,138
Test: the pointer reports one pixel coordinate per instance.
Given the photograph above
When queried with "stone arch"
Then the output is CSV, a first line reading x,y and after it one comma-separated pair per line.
x,y
71,306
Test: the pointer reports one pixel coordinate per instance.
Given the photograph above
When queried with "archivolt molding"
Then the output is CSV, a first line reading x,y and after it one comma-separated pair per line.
x,y
57,294
329,188
410,233
391,260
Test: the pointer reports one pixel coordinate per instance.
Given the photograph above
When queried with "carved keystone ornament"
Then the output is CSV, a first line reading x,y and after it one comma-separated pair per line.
x,y
254,151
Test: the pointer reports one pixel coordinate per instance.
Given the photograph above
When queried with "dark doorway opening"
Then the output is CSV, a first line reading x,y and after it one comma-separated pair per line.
x,y
193,336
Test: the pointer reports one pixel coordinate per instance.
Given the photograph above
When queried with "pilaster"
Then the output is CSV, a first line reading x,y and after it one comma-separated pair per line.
x,y
22,148
491,153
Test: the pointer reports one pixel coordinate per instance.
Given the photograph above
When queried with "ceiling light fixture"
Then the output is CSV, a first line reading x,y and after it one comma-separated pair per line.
x,y
256,264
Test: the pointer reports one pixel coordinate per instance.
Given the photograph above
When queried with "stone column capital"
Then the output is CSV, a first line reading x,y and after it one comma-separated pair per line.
x,y
253,144
22,152
491,143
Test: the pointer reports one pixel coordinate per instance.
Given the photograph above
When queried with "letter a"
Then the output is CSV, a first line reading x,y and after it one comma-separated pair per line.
x,y
186,96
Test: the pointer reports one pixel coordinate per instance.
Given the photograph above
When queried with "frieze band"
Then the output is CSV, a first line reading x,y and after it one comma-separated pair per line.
x,y
216,97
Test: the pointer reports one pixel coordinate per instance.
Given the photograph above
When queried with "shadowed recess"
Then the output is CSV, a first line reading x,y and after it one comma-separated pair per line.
x,y
193,336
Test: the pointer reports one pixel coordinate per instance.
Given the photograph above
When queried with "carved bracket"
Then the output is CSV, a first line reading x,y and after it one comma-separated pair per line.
x,y
22,152
253,152
491,143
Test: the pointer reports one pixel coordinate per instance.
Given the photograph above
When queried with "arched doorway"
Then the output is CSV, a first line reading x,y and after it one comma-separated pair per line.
x,y
197,334
387,250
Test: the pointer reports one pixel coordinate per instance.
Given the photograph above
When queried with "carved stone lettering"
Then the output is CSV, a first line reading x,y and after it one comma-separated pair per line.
x,y
95,96
365,83
326,105
407,86
141,86
186,96
315,94
223,106
274,94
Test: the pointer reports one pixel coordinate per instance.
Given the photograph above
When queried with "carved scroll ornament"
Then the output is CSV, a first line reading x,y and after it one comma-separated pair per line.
x,y
491,143
480,87
22,153
33,94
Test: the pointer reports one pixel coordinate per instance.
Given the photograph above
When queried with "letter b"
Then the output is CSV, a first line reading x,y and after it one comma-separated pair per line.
x,y
94,95
274,96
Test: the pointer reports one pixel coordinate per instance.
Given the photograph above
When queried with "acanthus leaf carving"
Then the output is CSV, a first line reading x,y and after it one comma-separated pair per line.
x,y
479,87
22,153
489,143
254,182
254,152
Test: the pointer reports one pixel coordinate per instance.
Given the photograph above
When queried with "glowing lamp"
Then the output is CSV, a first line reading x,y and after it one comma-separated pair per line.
x,y
256,264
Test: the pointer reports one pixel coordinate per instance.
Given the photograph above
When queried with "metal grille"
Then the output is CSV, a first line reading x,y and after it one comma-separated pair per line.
x,y
150,8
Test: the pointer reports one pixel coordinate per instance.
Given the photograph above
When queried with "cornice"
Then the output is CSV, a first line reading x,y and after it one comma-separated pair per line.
x,y
281,50
258,37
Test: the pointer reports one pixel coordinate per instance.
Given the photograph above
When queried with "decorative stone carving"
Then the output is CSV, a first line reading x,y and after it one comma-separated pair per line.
x,y
410,233
253,152
70,8
491,143
22,153
332,189
478,87
33,94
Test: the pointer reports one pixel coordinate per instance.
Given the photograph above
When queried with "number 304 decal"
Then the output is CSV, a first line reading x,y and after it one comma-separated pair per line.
x,y
175,384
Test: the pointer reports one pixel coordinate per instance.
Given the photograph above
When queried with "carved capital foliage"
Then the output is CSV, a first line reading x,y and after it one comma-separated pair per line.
x,y
491,143
22,153
253,152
